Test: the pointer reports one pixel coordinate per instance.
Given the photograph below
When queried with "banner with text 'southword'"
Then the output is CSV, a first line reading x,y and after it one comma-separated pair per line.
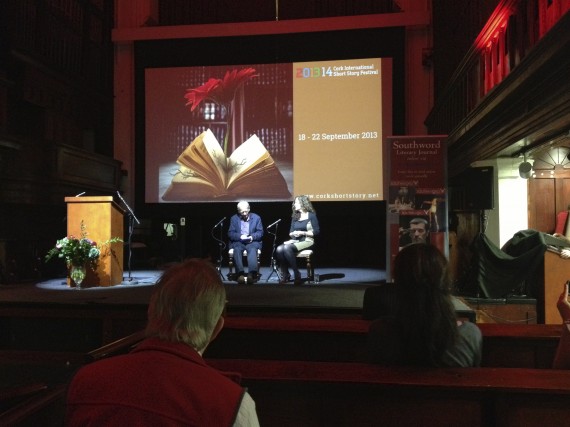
x,y
416,193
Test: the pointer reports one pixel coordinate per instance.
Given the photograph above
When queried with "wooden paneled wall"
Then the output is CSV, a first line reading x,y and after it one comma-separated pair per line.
x,y
547,197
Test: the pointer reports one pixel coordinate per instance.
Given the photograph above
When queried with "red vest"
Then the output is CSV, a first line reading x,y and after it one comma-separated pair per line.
x,y
159,383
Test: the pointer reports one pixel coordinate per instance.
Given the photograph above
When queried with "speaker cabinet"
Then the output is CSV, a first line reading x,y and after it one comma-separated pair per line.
x,y
472,190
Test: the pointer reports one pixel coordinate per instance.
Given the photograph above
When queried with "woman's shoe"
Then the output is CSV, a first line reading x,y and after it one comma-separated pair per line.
x,y
284,278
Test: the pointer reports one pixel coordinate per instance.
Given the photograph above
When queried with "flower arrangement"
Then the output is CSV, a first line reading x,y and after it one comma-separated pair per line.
x,y
79,250
222,92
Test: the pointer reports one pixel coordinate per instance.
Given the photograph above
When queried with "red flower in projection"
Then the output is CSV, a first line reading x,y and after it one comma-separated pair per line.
x,y
221,91
195,96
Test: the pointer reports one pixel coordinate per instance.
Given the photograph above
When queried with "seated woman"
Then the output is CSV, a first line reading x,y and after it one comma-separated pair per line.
x,y
304,227
424,329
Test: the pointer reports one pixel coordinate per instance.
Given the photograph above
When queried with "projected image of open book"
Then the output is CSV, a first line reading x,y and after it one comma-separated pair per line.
x,y
205,172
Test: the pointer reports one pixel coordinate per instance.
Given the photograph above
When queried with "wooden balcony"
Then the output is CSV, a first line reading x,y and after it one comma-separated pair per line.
x,y
487,113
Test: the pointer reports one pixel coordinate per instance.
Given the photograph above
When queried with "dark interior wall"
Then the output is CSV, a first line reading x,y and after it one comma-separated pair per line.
x,y
225,11
352,233
56,95
26,233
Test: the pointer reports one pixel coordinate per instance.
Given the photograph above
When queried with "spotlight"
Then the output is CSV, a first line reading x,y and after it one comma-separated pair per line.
x,y
525,170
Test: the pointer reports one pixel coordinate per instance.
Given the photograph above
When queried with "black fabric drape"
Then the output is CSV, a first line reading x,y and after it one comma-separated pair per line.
x,y
514,270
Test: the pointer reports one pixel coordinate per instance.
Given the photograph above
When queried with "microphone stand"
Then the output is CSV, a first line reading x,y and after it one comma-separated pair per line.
x,y
274,268
132,219
221,247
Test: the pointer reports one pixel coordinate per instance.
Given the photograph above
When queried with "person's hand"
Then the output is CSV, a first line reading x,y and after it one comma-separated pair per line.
x,y
565,253
563,305
245,237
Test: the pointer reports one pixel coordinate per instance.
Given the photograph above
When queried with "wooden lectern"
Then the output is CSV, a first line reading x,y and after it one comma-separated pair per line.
x,y
102,219
556,273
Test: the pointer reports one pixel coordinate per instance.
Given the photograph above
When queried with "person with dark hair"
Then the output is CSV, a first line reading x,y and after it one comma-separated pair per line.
x,y
165,380
245,234
423,329
304,227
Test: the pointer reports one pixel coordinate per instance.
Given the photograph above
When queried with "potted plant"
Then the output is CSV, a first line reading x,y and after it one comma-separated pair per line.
x,y
79,253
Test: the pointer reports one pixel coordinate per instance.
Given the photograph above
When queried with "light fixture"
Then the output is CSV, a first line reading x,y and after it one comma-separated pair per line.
x,y
525,169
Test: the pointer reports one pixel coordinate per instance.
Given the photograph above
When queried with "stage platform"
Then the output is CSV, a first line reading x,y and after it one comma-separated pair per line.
x,y
338,289
65,319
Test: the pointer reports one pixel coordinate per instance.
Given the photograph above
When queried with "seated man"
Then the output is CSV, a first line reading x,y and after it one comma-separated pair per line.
x,y
165,380
245,233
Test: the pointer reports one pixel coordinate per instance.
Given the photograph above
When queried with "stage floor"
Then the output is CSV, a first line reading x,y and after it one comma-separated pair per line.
x,y
338,289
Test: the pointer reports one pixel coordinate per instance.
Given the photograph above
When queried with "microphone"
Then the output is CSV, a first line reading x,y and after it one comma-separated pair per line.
x,y
219,222
133,216
275,223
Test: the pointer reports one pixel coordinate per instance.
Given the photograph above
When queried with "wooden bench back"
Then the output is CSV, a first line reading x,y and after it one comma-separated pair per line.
x,y
344,340
295,393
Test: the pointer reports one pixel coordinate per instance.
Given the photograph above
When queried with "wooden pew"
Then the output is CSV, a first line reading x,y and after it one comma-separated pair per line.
x,y
301,393
10,396
41,377
291,338
344,340
120,346
519,346
327,393
45,408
